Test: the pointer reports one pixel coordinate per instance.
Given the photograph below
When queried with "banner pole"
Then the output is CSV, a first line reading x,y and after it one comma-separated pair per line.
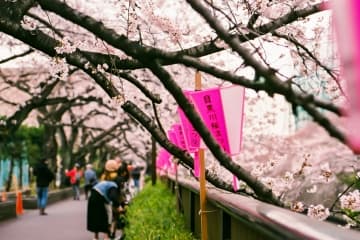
x,y
203,217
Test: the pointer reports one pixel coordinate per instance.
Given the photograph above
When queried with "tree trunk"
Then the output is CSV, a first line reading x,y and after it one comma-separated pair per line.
x,y
20,183
9,180
153,161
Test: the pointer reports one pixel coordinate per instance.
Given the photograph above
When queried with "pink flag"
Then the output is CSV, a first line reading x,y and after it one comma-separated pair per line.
x,y
178,131
180,138
172,137
166,157
222,110
347,18
209,105
233,100
159,163
192,138
163,159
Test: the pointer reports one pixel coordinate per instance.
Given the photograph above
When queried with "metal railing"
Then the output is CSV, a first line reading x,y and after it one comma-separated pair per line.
x,y
234,217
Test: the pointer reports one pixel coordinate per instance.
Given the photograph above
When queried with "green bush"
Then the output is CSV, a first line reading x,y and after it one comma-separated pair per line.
x,y
152,215
26,142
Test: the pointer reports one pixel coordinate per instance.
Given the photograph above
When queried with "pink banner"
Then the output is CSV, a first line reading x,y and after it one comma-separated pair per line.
x,y
175,133
222,110
192,138
347,18
163,159
209,105
172,137
179,136
159,163
233,101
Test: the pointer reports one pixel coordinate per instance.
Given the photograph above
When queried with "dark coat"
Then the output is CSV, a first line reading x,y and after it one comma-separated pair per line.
x,y
136,172
43,175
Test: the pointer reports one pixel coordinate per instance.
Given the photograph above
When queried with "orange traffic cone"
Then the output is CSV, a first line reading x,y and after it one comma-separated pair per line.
x,y
19,203
3,196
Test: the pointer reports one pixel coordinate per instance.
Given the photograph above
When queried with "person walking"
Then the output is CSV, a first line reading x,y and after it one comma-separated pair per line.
x,y
135,175
75,175
105,198
90,179
43,178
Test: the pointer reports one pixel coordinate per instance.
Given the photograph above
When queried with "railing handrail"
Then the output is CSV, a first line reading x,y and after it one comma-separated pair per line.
x,y
280,222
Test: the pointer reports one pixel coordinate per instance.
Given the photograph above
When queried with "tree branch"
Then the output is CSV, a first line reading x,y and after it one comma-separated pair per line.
x,y
16,56
261,190
312,56
47,44
272,80
15,10
133,48
155,98
161,138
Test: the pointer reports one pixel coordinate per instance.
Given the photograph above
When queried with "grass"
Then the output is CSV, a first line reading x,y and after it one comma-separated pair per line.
x,y
152,215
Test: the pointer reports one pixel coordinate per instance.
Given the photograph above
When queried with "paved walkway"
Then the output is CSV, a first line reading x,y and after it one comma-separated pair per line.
x,y
66,221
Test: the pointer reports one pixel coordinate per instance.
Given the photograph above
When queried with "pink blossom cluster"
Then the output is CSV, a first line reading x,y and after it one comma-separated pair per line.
x,y
351,201
166,25
65,46
59,68
318,212
297,207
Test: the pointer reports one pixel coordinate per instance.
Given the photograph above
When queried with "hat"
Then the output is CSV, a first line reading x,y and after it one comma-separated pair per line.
x,y
111,165
77,165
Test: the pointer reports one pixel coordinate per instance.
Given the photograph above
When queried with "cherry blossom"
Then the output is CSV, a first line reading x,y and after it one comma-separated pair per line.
x,y
297,207
58,67
282,148
318,212
65,46
351,201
